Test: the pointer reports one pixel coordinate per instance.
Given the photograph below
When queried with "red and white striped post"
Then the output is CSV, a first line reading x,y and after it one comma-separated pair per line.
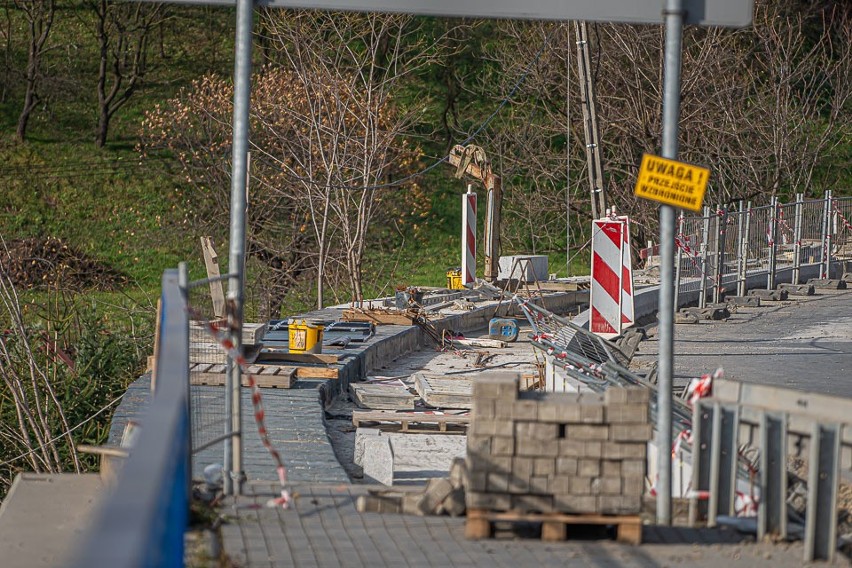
x,y
469,236
612,277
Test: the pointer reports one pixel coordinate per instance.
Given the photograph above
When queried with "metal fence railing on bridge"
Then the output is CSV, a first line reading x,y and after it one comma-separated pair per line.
x,y
722,251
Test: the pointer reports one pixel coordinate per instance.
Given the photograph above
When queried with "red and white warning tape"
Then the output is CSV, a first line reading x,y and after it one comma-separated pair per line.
x,y
846,224
218,333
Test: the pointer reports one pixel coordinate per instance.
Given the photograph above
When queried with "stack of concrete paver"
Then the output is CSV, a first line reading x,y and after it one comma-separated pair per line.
x,y
556,452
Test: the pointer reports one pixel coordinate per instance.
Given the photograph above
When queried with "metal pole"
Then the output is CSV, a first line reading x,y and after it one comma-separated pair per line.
x,y
797,235
823,264
717,254
705,237
831,229
738,246
678,261
773,246
671,113
236,260
744,249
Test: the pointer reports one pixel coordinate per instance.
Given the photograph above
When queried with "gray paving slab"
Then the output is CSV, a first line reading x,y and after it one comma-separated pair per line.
x,y
322,528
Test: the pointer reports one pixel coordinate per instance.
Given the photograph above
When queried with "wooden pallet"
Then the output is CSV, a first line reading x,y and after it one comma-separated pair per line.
x,y
554,526
266,376
406,419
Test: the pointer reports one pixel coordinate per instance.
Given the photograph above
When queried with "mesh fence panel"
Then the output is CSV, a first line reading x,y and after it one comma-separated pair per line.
x,y
842,227
690,243
207,366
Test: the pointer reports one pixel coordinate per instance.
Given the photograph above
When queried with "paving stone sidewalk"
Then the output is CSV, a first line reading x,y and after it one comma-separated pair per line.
x,y
323,529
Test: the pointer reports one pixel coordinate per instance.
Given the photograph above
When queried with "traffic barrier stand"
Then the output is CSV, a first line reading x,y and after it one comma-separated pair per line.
x,y
611,296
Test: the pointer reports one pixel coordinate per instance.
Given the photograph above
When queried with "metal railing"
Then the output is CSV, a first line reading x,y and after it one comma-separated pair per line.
x,y
143,520
723,250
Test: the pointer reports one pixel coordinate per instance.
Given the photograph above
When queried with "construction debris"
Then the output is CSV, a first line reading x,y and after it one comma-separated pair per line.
x,y
828,283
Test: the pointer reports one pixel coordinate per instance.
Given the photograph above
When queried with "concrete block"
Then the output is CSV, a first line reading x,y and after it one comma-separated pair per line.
x,y
437,489
709,313
498,481
458,473
566,465
514,268
361,435
519,484
502,386
828,283
592,413
378,504
571,448
410,502
682,317
610,468
593,450
502,446
634,467
621,450
587,432
633,485
492,501
619,504
523,466
769,295
623,395
478,444
378,460
537,448
500,463
558,412
544,466
477,480
483,409
560,483
606,486
525,410
539,485
588,467
798,289
569,503
580,485
743,301
454,504
627,413
631,432
532,503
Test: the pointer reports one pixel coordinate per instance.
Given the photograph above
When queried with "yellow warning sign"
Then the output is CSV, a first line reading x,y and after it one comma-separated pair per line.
x,y
671,182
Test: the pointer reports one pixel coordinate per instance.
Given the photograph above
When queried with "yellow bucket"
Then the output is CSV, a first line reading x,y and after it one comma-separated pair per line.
x,y
454,279
305,337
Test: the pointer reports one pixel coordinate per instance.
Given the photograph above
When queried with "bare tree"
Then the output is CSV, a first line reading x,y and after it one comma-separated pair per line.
x,y
123,31
39,16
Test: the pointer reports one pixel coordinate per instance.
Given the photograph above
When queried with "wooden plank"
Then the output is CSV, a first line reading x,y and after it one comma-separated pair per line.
x,y
440,392
316,373
378,317
404,419
281,354
211,262
382,397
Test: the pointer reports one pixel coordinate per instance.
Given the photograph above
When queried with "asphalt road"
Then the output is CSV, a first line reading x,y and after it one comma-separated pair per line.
x,y
804,343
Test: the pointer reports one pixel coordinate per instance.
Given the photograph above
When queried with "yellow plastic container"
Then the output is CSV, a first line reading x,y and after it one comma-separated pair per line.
x,y
305,337
454,279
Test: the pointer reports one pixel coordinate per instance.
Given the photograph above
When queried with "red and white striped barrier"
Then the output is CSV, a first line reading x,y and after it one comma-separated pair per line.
x,y
469,237
612,277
